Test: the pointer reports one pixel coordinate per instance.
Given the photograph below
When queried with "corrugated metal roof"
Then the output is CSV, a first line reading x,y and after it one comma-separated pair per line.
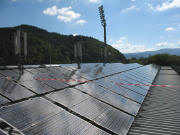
x,y
160,112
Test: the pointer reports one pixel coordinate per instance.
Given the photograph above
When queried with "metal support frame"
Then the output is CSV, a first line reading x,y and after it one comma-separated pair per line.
x,y
78,54
20,50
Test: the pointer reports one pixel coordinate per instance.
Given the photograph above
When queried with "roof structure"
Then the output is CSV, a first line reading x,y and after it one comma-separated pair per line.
x,y
160,112
93,100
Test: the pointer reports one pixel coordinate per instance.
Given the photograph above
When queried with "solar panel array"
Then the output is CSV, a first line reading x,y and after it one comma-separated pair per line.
x,y
95,99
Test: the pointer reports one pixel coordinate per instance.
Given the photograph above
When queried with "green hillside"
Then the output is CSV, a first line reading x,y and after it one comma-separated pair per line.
x,y
41,43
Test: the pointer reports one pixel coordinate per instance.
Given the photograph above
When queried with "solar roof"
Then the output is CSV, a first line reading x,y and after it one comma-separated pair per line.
x,y
95,99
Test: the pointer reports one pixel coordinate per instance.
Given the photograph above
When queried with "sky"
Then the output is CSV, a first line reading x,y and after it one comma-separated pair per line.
x,y
132,25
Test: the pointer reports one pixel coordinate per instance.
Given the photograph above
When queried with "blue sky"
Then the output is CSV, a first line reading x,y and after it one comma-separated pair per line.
x,y
132,25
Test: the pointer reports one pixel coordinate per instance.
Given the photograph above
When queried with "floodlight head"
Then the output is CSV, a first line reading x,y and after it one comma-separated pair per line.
x,y
102,16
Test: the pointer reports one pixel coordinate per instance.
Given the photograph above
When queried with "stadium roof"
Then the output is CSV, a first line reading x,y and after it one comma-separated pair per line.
x,y
62,99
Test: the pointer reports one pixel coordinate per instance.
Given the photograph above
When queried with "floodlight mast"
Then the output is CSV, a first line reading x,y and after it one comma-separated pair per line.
x,y
103,22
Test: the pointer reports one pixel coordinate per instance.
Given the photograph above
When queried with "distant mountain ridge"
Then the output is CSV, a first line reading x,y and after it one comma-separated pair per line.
x,y
43,44
170,51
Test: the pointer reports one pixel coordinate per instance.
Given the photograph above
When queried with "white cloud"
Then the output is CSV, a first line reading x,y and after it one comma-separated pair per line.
x,y
13,0
64,18
50,11
133,7
94,1
65,14
166,5
133,0
125,47
81,22
64,10
165,45
75,34
169,29
162,44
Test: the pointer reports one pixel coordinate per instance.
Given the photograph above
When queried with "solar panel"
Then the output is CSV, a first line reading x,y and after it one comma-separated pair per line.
x,y
130,94
121,103
3,100
37,86
92,71
1,76
2,80
9,73
26,76
94,131
77,100
64,75
47,78
25,114
56,84
97,70
69,66
68,97
63,123
85,69
13,90
137,78
146,73
140,78
105,115
38,73
115,86
111,98
15,75
8,129
92,89
129,80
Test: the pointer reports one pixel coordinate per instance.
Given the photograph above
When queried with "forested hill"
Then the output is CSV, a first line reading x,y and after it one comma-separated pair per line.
x,y
42,43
